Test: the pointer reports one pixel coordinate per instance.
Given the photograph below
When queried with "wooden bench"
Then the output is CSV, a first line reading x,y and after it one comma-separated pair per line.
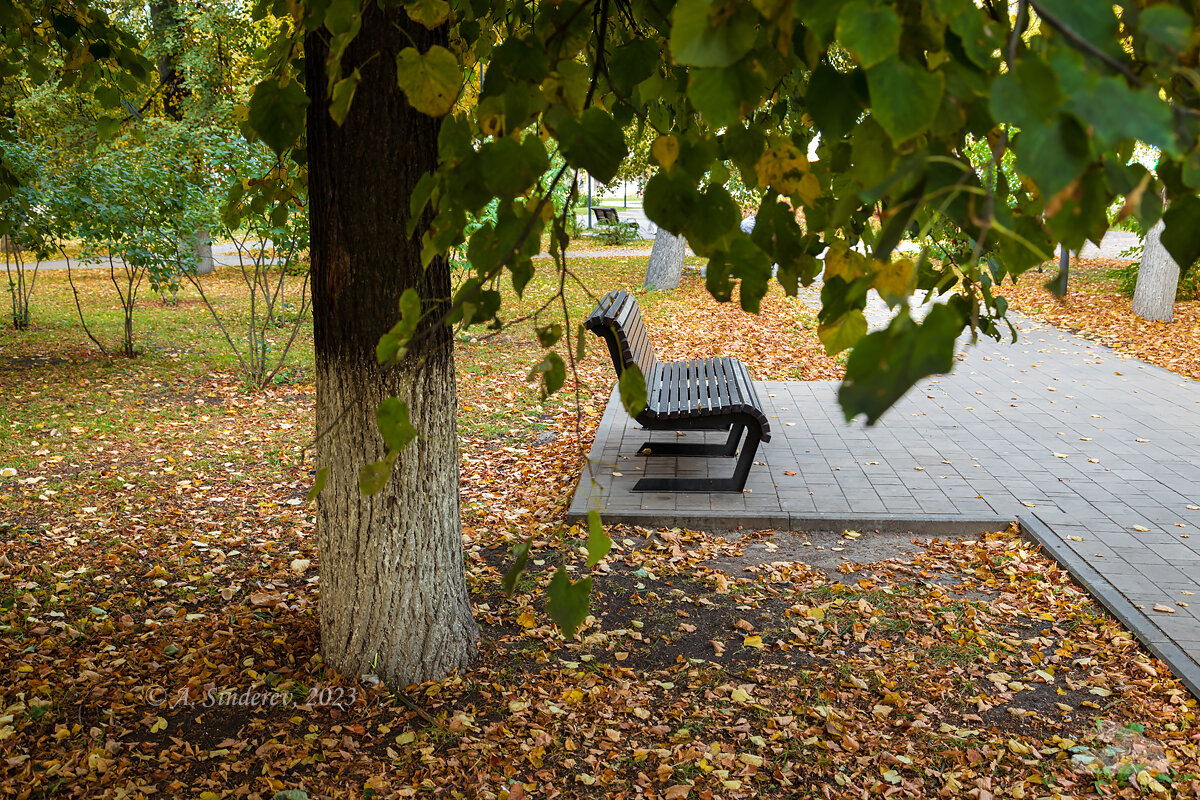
x,y
608,216
707,394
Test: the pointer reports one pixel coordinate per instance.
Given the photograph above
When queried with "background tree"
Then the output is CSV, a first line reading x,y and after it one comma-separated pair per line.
x,y
1157,279
665,267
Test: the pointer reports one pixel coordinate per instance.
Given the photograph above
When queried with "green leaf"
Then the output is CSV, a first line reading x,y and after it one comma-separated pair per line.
x,y
904,98
410,312
1181,236
834,99
632,63
521,559
1168,25
1094,22
844,333
343,94
669,199
739,258
394,425
581,342
511,167
599,542
871,32
594,143
1053,155
716,215
1026,96
553,372
430,80
886,363
568,602
290,794
319,483
697,42
276,112
548,335
429,13
720,93
374,476
632,387
1116,112
343,18
978,34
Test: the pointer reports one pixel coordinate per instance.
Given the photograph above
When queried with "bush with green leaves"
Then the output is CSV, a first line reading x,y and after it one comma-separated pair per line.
x,y
615,233
269,250
24,226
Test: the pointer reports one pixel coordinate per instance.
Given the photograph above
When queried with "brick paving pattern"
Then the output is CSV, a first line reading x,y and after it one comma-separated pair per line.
x,y
1086,446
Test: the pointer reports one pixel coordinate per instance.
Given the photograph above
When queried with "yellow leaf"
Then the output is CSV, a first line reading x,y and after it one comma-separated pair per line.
x,y
665,150
430,80
840,261
895,279
753,641
159,724
526,620
844,333
739,695
784,167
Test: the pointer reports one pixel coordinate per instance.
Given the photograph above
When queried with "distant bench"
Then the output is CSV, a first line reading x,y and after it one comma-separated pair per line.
x,y
608,216
708,394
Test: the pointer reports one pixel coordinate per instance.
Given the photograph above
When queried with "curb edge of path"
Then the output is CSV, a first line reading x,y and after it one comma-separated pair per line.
x,y
1035,530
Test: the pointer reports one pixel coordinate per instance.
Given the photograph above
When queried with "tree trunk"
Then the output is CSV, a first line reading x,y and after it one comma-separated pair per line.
x,y
394,597
164,21
1157,280
202,244
666,261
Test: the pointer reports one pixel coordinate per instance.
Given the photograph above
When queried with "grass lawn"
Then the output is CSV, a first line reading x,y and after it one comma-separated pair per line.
x,y
158,566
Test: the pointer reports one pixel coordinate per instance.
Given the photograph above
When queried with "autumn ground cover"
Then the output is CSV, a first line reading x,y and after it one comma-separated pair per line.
x,y
159,569
1095,308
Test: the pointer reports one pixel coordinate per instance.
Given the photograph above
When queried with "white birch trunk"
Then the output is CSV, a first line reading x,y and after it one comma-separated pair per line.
x,y
204,253
666,261
1158,278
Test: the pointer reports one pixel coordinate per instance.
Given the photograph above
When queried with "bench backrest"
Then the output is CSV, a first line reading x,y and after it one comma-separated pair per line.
x,y
618,319
606,214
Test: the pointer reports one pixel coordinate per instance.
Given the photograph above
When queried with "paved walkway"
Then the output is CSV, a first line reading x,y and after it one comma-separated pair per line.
x,y
1097,453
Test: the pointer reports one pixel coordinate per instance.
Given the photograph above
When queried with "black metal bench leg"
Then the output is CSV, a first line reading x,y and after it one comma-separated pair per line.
x,y
694,449
735,484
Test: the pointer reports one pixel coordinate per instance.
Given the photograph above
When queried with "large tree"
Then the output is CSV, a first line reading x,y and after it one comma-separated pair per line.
x,y
393,592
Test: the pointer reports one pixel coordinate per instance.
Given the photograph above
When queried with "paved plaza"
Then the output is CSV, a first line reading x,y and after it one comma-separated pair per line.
x,y
1096,453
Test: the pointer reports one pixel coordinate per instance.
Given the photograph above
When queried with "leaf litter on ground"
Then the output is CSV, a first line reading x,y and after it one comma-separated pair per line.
x,y
151,588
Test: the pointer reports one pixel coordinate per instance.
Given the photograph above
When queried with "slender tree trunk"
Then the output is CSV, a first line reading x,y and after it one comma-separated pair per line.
x,y
666,261
1157,280
202,244
394,599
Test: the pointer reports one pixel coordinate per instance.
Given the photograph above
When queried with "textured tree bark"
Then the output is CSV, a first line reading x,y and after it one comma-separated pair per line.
x,y
1157,280
394,599
666,261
